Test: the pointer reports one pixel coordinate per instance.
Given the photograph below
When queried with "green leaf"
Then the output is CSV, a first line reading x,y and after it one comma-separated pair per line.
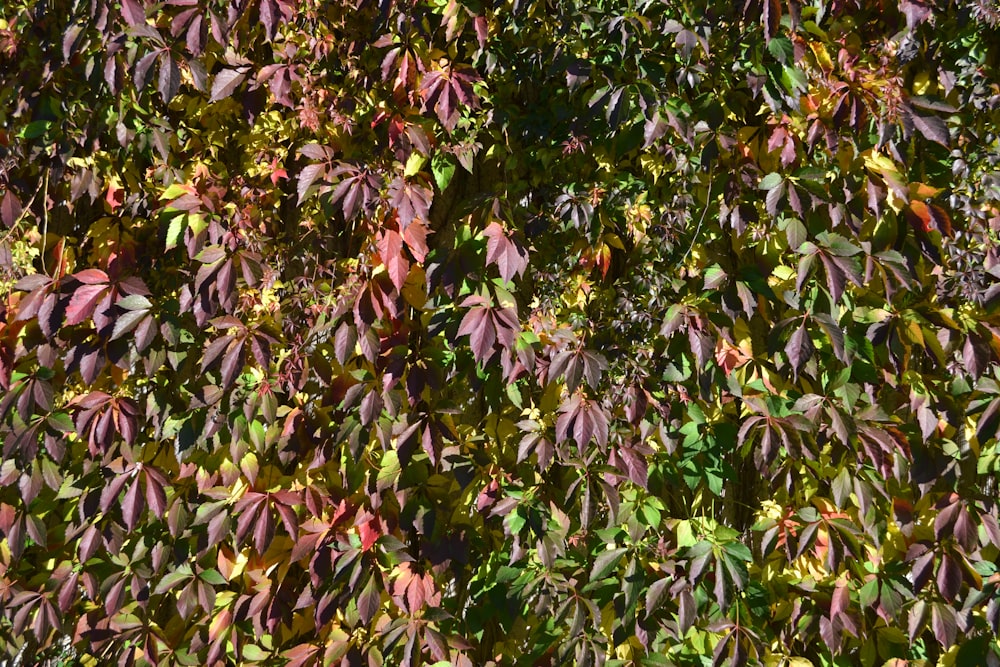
x,y
443,169
212,576
782,50
414,164
172,579
134,302
738,550
771,181
606,562
254,653
175,229
868,593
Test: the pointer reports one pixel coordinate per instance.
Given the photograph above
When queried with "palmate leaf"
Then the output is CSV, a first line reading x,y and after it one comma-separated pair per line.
x,y
509,257
287,186
487,325
447,91
583,420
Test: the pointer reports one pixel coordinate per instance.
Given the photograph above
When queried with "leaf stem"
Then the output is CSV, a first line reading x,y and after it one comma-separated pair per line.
x,y
704,212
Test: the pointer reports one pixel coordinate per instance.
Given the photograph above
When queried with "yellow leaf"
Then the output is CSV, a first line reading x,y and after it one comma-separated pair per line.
x,y
414,164
822,57
923,84
923,191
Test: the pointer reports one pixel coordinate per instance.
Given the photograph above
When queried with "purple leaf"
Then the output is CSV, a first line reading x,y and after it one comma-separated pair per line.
x,y
226,82
799,349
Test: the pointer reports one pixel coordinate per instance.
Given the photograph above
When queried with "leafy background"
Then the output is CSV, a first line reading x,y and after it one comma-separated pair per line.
x,y
514,333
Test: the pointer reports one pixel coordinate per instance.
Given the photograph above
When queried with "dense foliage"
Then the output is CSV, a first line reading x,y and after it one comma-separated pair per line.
x,y
519,333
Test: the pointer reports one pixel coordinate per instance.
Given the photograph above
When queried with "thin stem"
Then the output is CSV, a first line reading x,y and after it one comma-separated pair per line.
x,y
704,212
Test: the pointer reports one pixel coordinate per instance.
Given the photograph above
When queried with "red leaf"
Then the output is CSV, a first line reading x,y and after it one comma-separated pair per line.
x,y
156,497
225,83
83,303
916,12
635,465
369,531
932,128
264,531
799,349
169,80
344,341
10,209
369,600
943,623
479,327
301,655
132,506
133,13
771,18
415,235
841,599
390,248
307,177
949,578
509,258
232,363
248,515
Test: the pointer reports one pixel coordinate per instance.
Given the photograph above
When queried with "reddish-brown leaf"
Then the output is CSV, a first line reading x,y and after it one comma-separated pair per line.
x,y
415,235
263,531
133,13
133,505
943,623
799,349
10,209
369,531
156,496
390,248
83,303
949,577
232,363
478,326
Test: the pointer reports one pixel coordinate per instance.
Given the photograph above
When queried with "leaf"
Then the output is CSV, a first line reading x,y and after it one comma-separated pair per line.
x,y
307,177
799,349
225,82
133,504
390,247
443,169
635,465
369,600
479,327
344,342
916,12
169,80
415,236
943,623
133,13
655,594
932,128
83,303
606,563
834,334
949,578
10,209
771,181
771,18
232,363
509,258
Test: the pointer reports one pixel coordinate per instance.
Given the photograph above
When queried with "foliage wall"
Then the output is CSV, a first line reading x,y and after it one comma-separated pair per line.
x,y
518,333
